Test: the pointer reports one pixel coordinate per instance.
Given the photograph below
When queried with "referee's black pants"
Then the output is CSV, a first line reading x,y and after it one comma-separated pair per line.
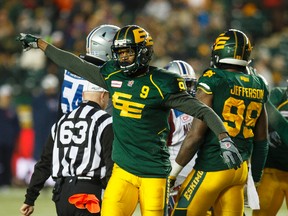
x,y
66,187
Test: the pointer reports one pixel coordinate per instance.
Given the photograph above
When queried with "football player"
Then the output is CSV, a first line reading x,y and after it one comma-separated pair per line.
x,y
239,99
98,51
142,97
180,124
276,120
274,183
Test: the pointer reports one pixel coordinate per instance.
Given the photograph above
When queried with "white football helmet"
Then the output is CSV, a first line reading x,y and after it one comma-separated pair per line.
x,y
186,71
98,43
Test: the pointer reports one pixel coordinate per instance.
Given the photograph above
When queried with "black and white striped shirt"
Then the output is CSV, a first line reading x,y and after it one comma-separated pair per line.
x,y
83,143
80,144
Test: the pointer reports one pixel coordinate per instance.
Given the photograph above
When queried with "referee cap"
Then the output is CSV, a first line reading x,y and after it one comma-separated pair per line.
x,y
90,87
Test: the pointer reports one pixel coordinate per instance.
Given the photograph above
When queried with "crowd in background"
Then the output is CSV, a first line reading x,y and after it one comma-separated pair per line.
x,y
181,29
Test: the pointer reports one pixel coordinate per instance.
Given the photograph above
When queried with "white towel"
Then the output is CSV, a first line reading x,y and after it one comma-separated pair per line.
x,y
252,195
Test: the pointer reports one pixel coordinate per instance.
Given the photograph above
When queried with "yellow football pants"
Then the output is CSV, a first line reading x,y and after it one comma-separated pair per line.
x,y
125,190
271,191
223,190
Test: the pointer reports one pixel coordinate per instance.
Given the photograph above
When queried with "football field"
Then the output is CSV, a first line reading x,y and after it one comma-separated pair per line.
x,y
11,200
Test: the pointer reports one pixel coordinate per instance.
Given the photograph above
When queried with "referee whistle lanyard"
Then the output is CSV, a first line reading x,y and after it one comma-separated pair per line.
x,y
85,201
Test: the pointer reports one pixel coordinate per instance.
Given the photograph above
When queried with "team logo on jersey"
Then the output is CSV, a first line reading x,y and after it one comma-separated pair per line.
x,y
128,108
116,84
209,73
130,83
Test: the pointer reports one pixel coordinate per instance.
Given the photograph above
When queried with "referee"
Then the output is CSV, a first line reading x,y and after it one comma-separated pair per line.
x,y
78,156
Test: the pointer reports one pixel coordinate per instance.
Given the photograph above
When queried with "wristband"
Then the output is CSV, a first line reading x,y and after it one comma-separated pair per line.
x,y
176,169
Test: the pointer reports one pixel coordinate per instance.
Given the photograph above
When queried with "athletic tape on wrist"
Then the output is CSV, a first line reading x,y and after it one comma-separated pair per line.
x,y
176,169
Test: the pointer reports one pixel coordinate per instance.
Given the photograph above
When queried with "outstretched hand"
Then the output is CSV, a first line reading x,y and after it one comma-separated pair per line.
x,y
230,153
28,41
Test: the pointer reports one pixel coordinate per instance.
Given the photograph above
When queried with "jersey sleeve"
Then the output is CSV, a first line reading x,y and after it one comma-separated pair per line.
x,y
75,65
277,122
192,106
42,172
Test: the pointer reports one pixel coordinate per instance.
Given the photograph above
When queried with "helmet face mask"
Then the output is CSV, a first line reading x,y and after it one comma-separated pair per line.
x,y
231,47
99,41
130,52
191,86
186,71
138,39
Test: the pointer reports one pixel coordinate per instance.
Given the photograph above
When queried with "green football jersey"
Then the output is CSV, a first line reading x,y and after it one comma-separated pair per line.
x,y
140,122
140,114
238,100
277,156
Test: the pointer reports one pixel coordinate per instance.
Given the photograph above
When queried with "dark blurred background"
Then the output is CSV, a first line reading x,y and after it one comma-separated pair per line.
x,y
181,29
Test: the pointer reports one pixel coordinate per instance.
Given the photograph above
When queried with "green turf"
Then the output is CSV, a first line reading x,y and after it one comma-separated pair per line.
x,y
11,200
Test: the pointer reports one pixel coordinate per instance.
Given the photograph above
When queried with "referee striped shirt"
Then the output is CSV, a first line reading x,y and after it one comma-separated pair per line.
x,y
83,143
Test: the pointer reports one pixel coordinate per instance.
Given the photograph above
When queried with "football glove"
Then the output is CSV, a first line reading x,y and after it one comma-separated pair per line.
x,y
171,182
230,154
28,41
274,139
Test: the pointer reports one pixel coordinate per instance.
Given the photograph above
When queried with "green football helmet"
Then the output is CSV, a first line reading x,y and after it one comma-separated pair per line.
x,y
231,47
138,39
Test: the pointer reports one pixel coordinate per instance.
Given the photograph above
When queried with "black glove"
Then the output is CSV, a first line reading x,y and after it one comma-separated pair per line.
x,y
171,182
28,41
274,139
230,153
